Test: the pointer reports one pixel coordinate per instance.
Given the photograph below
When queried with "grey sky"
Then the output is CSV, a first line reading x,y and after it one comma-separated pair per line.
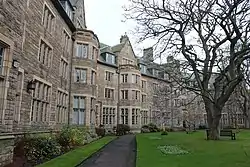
x,y
105,17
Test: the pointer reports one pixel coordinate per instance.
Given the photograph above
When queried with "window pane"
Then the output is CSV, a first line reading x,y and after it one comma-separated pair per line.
x,y
85,51
1,57
83,75
82,103
75,116
79,50
81,117
75,105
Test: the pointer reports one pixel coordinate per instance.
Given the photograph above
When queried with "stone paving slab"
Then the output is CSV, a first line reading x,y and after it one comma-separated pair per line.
x,y
119,153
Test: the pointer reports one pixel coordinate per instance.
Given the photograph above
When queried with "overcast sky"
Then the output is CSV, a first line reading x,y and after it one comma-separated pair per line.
x,y
105,17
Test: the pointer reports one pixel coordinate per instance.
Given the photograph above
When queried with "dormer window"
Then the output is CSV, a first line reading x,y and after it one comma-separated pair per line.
x,y
68,8
110,58
155,72
143,68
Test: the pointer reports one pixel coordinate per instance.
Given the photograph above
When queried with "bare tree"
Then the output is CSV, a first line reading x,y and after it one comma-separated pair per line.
x,y
204,32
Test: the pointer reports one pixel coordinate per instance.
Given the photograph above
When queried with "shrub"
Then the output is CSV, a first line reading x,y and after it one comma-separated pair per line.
x,y
122,129
40,149
145,126
100,131
152,127
145,130
164,133
70,137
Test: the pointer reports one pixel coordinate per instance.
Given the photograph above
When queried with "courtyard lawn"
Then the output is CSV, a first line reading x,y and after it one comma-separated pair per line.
x,y
202,153
76,156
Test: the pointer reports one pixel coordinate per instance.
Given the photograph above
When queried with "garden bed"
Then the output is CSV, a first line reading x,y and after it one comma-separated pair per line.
x,y
77,155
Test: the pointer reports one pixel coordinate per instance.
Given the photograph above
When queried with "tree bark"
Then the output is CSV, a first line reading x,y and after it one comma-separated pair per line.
x,y
213,119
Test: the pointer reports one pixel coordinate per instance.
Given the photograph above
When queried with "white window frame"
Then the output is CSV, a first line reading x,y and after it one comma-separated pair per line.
x,y
81,45
81,80
81,111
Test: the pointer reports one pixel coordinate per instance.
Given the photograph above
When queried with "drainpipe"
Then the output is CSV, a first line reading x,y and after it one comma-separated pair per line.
x,y
118,94
70,78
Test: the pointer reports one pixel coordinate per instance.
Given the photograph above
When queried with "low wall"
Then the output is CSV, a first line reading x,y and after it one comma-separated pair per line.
x,y
6,149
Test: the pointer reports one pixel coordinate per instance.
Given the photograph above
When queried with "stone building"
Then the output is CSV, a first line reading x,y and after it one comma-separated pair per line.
x,y
136,91
54,72
46,55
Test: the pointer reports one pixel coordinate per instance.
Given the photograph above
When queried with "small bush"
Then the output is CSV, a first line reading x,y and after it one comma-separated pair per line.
x,y
70,137
152,127
145,126
122,129
145,130
164,133
40,149
100,131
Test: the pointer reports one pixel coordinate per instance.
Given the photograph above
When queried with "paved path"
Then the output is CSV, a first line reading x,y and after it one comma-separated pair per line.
x,y
119,153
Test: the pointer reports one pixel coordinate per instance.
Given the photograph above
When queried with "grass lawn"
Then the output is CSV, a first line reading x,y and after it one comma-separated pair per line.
x,y
76,156
202,153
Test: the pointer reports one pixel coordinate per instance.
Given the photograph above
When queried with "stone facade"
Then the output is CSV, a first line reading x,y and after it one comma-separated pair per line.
x,y
38,41
143,80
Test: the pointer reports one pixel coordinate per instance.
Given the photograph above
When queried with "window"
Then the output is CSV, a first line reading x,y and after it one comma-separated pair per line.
x,y
135,78
45,53
135,95
18,100
124,94
62,100
67,7
109,76
143,84
240,118
143,98
94,53
124,78
92,109
78,109
48,19
108,116
1,58
144,117
66,41
110,58
109,93
82,50
155,72
143,69
155,86
80,75
63,70
135,116
40,102
93,77
124,115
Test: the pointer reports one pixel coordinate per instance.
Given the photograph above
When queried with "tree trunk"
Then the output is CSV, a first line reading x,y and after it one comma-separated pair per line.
x,y
214,129
213,119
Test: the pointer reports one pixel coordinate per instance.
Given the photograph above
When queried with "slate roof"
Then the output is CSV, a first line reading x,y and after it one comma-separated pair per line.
x,y
117,48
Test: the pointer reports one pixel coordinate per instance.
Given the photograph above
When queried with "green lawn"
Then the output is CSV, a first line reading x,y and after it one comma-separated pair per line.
x,y
75,157
202,153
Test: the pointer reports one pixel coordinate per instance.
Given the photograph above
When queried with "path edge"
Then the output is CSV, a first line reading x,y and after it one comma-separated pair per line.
x,y
93,154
